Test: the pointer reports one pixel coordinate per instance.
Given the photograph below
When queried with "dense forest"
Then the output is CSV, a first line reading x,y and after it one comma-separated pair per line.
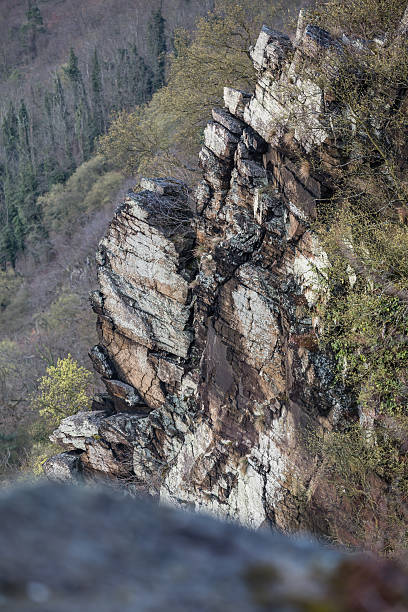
x,y
58,95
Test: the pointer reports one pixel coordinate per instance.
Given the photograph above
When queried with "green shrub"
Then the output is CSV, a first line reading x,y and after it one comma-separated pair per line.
x,y
63,391
92,186
364,304
365,18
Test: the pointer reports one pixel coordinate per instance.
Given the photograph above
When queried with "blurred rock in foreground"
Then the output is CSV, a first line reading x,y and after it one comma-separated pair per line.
x,y
74,549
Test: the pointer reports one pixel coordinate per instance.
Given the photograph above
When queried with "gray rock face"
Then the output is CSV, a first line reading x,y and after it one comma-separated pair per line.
x,y
235,101
101,361
68,549
220,140
65,467
146,301
209,325
74,430
271,50
124,395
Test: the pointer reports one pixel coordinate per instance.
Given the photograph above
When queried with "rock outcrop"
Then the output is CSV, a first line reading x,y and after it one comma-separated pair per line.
x,y
66,549
207,313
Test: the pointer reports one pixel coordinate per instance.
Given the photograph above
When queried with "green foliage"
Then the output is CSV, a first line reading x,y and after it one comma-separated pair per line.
x,y
63,391
41,145
98,119
364,306
92,186
362,226
366,322
135,139
365,18
72,69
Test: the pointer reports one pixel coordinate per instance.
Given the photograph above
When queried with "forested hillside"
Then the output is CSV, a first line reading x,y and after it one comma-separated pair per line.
x,y
66,69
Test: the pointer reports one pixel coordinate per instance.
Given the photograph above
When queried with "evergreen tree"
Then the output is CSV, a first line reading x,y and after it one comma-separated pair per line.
x,y
10,138
98,123
82,118
72,70
44,140
157,47
141,80
49,107
24,131
33,26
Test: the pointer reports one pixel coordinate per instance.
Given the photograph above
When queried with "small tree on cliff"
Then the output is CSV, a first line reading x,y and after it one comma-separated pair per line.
x,y
63,391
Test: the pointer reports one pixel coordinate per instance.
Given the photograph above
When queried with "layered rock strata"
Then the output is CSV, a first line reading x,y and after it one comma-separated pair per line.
x,y
207,312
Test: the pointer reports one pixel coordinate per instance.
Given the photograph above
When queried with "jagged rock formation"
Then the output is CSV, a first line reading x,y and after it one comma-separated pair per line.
x,y
207,321
86,549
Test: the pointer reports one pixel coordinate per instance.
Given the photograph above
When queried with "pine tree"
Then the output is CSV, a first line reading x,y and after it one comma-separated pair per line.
x,y
24,131
97,97
157,47
10,138
72,69
82,118
49,107
33,26
140,80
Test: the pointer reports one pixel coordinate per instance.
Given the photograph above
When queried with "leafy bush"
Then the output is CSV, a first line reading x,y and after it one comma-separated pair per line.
x,y
92,186
63,391
365,18
365,315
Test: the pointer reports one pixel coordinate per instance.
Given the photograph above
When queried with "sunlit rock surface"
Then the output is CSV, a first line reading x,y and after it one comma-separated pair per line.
x,y
207,311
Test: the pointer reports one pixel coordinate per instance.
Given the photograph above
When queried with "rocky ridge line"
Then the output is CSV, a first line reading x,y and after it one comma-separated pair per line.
x,y
207,321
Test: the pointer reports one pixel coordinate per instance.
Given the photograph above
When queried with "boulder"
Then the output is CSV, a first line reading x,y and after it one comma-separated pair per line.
x,y
74,430
235,101
65,467
74,548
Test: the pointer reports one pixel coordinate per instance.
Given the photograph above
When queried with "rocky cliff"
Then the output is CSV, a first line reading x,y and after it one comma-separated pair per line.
x,y
207,310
